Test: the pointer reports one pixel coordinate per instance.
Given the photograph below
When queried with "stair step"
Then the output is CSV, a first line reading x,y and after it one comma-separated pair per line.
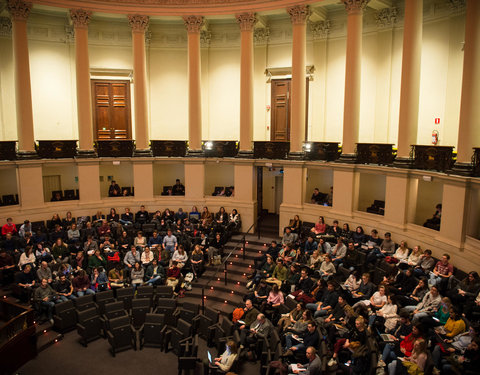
x,y
47,339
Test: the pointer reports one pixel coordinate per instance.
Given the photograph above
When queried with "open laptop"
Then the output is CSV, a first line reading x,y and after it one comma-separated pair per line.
x,y
209,356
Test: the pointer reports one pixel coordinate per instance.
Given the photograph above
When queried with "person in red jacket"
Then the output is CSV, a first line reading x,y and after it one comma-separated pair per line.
x,y
10,227
393,351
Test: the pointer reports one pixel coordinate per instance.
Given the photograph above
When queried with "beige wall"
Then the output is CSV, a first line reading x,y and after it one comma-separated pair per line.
x,y
318,178
8,181
122,174
429,195
166,174
218,174
372,187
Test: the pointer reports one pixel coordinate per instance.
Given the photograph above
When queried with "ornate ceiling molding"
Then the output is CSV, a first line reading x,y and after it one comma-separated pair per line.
x,y
355,6
18,9
80,17
5,26
246,21
386,17
176,7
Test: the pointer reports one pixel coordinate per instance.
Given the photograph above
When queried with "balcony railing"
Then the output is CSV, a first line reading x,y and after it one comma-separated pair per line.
x,y
439,158
375,153
328,151
169,148
220,149
7,150
56,149
271,150
114,148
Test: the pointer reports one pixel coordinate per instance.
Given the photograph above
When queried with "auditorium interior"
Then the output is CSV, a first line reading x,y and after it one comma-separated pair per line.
x,y
237,118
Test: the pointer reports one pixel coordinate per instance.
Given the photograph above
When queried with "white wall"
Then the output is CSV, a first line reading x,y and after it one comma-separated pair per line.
x,y
428,196
122,174
165,175
218,174
372,187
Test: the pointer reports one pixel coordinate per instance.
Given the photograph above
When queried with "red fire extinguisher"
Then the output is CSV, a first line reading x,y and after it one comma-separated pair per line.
x,y
434,137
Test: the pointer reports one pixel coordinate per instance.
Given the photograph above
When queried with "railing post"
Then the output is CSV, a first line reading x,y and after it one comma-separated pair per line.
x,y
243,247
203,300
225,271
259,218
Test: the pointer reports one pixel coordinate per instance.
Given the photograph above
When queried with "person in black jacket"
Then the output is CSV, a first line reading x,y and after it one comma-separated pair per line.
x,y
326,303
310,338
178,188
365,290
114,190
142,215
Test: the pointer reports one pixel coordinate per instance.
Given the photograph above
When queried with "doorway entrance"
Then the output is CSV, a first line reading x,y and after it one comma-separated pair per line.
x,y
280,112
111,109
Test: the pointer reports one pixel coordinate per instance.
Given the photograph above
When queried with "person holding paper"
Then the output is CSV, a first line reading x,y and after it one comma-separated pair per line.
x,y
312,367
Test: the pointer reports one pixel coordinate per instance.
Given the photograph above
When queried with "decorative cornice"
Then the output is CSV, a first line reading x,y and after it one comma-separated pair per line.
x,y
205,37
138,23
299,14
457,4
386,17
19,10
69,34
80,17
321,29
246,21
148,37
354,6
261,36
193,23
5,26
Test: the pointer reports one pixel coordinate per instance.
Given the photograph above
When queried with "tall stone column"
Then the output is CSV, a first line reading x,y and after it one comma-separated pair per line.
x,y
469,130
80,19
246,22
353,72
19,12
139,25
298,16
193,25
410,83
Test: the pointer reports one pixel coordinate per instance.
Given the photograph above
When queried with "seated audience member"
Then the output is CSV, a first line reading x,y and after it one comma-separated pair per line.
x,y
26,281
427,306
309,338
131,258
124,243
60,251
466,290
310,245
42,253
116,276
112,217
392,351
289,238
274,300
97,260
373,241
114,189
324,247
335,230
404,283
155,274
90,246
68,221
358,335
454,325
44,272
196,260
358,237
225,361
327,268
164,257
425,264
317,197
434,221
141,217
98,218
108,244
326,303
272,251
81,284
320,226
315,260
215,248
127,217
413,258
89,230
280,273
170,242
260,329
304,284
28,257
140,241
413,364
250,314
353,282
233,220
80,261
441,273
10,244
313,366
99,280
168,217
194,215
339,252
46,298
288,320
401,254
104,230
137,274
173,276
180,256
376,301
336,315
26,227
206,219
467,363
260,293
7,268
9,227
221,219
365,290
147,257
178,188
180,215
64,289
295,224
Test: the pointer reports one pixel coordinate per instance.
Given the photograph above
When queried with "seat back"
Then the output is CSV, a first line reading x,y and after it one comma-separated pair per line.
x,y
227,326
155,319
114,306
87,314
64,306
65,316
119,322
184,327
163,291
106,295
85,302
126,296
141,302
212,314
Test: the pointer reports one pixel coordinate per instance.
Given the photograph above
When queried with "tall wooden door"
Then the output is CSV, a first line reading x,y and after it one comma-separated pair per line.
x,y
111,109
280,121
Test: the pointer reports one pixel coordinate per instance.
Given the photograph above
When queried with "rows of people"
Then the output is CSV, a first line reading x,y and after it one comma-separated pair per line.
x,y
71,257
420,313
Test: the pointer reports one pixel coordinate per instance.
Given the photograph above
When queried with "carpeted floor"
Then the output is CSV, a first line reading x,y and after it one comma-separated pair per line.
x,y
69,357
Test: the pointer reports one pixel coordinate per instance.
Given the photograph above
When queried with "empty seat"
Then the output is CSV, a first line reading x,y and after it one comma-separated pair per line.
x,y
121,335
216,331
163,291
187,312
89,325
103,298
85,302
140,307
112,310
167,306
65,317
202,321
176,336
146,291
125,295
151,332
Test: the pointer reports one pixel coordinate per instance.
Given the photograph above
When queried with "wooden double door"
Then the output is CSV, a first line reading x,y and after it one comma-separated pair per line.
x,y
111,109
280,111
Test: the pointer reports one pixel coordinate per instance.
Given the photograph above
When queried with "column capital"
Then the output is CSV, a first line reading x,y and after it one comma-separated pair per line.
x,y
299,14
193,23
386,17
320,29
246,21
5,26
354,6
80,17
138,23
19,10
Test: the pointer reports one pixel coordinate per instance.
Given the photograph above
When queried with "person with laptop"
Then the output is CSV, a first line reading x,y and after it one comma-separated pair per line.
x,y
223,363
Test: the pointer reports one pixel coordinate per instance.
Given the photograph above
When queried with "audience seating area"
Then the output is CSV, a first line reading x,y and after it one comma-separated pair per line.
x,y
359,301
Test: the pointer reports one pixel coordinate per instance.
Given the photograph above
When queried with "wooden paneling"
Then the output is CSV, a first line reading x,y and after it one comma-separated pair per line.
x,y
280,110
111,109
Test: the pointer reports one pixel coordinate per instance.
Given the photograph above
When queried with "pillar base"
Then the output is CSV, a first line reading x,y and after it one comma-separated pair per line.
x,y
245,154
462,169
27,155
195,153
296,155
142,153
86,154
402,162
347,158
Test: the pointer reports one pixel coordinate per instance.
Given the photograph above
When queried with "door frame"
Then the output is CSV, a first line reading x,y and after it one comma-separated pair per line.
x,y
125,79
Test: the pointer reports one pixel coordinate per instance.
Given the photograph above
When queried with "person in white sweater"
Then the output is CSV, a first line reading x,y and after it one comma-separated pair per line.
x,y
327,268
225,361
402,252
388,313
